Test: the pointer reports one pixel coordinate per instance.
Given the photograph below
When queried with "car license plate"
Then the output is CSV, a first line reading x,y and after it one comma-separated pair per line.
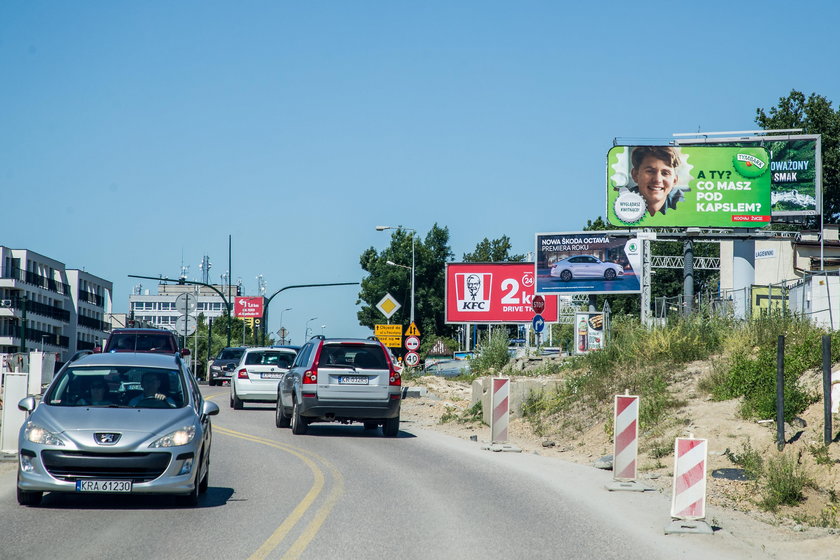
x,y
103,486
353,380
271,375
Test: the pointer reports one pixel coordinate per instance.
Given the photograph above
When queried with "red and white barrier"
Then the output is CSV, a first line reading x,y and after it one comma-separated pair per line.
x,y
626,440
689,498
500,410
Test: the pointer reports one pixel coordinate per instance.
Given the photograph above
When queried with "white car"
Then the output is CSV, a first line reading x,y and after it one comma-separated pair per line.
x,y
255,377
585,266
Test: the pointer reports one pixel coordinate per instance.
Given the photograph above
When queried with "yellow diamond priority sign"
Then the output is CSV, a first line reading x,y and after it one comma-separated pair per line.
x,y
388,305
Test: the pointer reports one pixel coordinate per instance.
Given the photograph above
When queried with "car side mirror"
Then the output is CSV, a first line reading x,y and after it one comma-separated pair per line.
x,y
209,408
27,404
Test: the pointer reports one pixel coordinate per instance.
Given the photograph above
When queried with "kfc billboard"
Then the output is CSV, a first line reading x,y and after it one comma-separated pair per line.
x,y
248,307
493,293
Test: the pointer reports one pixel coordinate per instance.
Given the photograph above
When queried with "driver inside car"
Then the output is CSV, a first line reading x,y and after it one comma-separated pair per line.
x,y
151,382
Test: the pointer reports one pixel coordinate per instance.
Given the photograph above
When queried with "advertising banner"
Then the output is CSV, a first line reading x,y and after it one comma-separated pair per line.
x,y
588,262
493,293
248,307
688,186
794,170
589,332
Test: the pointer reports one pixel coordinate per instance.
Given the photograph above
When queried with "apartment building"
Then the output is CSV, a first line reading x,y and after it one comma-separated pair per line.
x,y
45,305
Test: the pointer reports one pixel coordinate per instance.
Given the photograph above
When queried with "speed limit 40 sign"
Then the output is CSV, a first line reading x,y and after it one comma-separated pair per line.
x,y
412,359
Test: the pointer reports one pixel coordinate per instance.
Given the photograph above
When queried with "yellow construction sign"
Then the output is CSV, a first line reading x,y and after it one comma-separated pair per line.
x,y
412,330
389,335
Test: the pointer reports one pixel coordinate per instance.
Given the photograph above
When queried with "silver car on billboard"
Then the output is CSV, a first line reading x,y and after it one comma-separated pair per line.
x,y
585,266
117,423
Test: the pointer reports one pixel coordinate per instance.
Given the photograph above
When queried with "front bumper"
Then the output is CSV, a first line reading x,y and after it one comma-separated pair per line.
x,y
56,469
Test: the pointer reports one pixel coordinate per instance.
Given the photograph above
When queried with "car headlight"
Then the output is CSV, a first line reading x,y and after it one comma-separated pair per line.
x,y
176,438
37,434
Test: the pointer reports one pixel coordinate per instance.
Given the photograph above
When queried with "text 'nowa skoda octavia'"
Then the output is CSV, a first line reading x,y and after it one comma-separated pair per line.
x,y
131,423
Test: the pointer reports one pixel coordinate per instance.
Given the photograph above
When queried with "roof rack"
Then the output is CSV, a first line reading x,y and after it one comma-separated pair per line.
x,y
318,336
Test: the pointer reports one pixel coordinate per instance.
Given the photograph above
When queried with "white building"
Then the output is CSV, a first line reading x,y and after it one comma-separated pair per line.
x,y
159,309
48,306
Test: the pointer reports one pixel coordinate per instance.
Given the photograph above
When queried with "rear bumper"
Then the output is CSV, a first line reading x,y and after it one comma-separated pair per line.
x,y
314,409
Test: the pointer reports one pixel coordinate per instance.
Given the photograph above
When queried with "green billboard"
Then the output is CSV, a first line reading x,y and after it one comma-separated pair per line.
x,y
688,186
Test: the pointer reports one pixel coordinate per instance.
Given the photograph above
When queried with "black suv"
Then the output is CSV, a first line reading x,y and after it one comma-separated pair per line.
x,y
340,380
158,341
222,366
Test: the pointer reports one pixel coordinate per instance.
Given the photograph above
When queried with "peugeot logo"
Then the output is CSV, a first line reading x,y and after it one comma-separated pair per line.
x,y
106,438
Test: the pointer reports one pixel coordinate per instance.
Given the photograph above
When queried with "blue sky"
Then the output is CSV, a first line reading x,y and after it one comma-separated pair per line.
x,y
135,136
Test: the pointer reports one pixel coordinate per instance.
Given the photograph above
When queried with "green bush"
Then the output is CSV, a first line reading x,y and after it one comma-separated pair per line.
x,y
492,352
784,483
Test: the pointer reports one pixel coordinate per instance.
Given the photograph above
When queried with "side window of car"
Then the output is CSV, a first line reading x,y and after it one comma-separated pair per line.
x,y
302,356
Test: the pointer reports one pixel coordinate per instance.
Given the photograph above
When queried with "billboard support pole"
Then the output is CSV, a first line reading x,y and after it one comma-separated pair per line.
x,y
688,276
645,311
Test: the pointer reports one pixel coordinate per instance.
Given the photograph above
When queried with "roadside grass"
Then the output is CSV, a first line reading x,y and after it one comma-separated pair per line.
x,y
468,416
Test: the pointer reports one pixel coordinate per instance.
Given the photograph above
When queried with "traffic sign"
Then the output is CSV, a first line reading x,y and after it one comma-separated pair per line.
x,y
412,343
186,303
388,306
538,304
412,330
412,359
185,325
538,323
389,335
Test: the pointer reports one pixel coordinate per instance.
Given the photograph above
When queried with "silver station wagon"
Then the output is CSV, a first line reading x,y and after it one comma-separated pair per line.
x,y
117,423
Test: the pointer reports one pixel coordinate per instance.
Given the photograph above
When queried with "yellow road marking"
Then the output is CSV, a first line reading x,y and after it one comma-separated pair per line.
x,y
294,518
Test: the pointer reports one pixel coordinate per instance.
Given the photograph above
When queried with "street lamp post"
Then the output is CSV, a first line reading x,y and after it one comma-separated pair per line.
x,y
322,329
306,331
413,232
283,336
43,336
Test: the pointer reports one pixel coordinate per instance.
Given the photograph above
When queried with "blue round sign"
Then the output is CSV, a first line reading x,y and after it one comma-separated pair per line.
x,y
538,323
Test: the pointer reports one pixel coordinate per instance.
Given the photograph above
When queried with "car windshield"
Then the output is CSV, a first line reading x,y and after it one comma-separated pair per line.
x,y
117,386
270,358
230,354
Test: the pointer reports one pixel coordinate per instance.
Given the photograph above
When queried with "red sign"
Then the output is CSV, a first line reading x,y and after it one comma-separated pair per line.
x,y
412,343
248,307
538,304
493,293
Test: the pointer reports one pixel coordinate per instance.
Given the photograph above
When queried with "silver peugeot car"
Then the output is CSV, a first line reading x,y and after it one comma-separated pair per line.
x,y
117,423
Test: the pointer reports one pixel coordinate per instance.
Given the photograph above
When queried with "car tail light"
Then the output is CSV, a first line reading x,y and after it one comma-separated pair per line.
x,y
310,376
394,378
242,374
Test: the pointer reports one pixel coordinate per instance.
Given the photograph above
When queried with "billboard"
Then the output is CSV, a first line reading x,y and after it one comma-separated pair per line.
x,y
248,307
588,262
795,170
688,186
493,293
589,332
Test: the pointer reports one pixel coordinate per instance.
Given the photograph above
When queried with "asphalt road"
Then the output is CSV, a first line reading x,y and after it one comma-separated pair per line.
x,y
343,492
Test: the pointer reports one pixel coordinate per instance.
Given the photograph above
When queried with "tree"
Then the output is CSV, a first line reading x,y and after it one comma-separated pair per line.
x,y
814,115
430,258
497,250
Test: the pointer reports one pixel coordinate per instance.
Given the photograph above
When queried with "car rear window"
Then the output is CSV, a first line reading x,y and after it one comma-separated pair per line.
x,y
270,358
133,342
361,356
230,354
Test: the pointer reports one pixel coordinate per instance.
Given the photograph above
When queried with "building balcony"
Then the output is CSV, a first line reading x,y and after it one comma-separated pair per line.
x,y
37,280
92,323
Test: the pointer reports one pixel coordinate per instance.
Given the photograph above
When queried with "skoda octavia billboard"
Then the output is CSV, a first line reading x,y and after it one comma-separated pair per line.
x,y
694,186
493,293
588,262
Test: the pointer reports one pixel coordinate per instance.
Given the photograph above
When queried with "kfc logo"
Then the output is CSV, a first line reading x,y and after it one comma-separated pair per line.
x,y
473,291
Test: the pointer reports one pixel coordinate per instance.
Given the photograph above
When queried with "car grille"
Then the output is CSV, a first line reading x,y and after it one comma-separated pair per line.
x,y
73,465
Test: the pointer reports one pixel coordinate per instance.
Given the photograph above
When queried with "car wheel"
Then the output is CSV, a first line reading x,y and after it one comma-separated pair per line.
x,y
211,383
298,423
280,418
231,398
191,499
371,425
237,402
609,274
27,498
205,480
391,427
566,275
